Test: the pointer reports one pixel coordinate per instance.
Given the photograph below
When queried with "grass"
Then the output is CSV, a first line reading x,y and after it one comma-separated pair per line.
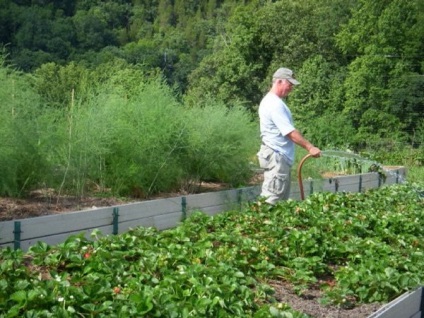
x,y
350,163
415,174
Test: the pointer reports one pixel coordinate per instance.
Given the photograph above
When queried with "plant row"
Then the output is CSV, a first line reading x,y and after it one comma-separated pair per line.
x,y
357,248
125,134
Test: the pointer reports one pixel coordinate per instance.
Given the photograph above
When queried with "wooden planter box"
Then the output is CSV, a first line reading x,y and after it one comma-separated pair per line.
x,y
408,305
166,213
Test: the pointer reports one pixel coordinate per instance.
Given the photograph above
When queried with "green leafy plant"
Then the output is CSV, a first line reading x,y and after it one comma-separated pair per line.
x,y
119,131
358,248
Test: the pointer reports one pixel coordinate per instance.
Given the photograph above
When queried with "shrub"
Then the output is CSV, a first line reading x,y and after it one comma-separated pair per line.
x,y
21,166
122,131
220,142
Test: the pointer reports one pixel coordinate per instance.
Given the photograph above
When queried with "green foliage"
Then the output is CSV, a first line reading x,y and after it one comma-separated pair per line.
x,y
406,98
119,130
21,123
317,107
57,84
41,37
337,162
392,153
218,138
384,41
358,248
416,173
360,59
359,62
146,135
250,50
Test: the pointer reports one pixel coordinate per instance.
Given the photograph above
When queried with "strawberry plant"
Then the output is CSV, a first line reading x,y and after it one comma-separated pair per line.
x,y
362,247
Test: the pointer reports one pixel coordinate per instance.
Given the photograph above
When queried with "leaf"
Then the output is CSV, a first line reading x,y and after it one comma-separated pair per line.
x,y
19,296
14,311
239,274
3,284
89,307
105,305
33,294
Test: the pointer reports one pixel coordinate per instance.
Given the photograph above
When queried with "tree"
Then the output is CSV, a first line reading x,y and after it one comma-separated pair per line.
x,y
252,47
92,30
42,36
55,83
7,21
384,40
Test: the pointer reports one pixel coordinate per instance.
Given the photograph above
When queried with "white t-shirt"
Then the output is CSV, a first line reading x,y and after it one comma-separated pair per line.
x,y
275,123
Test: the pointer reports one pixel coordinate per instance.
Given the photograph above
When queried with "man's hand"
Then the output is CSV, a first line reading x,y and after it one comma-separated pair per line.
x,y
315,152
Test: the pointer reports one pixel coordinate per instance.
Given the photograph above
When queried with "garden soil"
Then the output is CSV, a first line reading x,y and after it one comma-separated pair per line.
x,y
45,202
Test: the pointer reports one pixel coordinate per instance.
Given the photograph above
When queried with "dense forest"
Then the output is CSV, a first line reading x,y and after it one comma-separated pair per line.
x,y
361,59
360,62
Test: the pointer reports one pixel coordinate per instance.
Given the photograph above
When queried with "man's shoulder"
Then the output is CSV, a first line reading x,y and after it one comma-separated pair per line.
x,y
271,100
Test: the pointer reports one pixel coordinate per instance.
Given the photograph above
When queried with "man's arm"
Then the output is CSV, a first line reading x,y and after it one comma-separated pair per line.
x,y
298,139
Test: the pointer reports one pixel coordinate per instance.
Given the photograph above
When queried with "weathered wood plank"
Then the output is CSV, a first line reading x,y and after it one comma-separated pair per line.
x,y
395,175
65,223
6,231
60,238
370,181
212,210
405,306
166,221
72,222
419,314
203,200
329,185
144,222
168,212
250,193
146,209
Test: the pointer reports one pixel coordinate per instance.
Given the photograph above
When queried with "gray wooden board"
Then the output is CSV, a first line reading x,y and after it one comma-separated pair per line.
x,y
212,210
392,179
295,190
145,222
418,315
166,213
45,226
6,231
203,200
38,227
250,193
308,188
60,238
146,209
370,181
329,185
351,183
397,175
296,195
42,226
405,306
166,221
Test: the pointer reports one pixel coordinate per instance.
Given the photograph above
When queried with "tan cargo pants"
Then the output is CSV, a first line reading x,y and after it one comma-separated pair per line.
x,y
276,185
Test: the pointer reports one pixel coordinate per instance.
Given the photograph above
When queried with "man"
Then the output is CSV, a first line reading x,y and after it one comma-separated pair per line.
x,y
279,137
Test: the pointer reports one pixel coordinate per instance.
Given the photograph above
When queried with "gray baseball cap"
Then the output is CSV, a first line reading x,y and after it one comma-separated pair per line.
x,y
285,73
